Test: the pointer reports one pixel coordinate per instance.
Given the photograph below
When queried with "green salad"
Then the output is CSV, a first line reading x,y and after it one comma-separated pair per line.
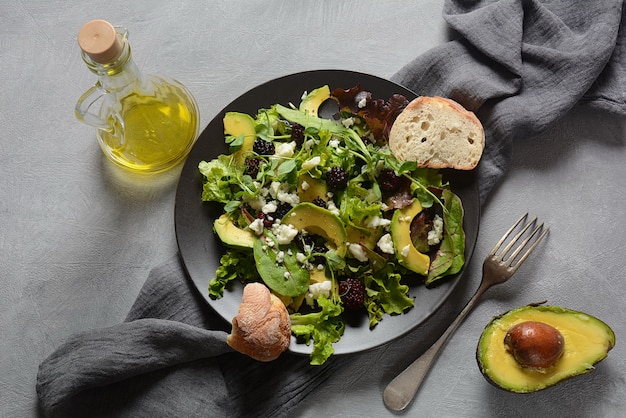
x,y
324,214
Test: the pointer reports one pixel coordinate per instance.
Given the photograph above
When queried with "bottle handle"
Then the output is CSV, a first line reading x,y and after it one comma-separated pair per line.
x,y
86,102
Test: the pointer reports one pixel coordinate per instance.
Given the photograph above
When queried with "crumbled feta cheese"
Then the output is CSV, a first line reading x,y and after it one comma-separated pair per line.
x,y
274,188
312,163
301,257
305,185
362,103
310,143
269,207
286,149
304,94
358,252
291,198
435,234
318,289
286,275
256,202
256,226
332,207
377,221
405,250
334,143
385,243
280,257
284,233
348,122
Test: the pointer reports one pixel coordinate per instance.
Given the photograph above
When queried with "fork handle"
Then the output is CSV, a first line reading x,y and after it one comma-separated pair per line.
x,y
402,389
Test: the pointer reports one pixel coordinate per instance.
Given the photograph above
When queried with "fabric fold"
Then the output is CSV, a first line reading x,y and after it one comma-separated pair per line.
x,y
564,50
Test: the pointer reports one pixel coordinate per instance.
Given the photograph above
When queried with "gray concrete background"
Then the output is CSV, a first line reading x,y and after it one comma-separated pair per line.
x,y
78,237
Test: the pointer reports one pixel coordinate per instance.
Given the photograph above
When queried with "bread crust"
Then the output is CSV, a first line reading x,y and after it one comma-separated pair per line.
x,y
261,329
437,132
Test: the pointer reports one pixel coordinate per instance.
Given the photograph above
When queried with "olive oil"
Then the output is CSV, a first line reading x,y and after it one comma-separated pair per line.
x,y
152,132
144,123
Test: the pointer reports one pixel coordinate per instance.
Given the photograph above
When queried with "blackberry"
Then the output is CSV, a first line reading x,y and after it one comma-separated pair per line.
x,y
304,241
320,249
281,211
352,292
253,165
297,134
337,178
388,180
318,201
263,147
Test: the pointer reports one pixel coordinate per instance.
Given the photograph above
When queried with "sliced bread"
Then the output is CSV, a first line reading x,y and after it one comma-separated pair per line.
x,y
437,132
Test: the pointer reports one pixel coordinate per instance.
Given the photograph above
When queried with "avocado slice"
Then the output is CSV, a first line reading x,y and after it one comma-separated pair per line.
x,y
310,188
318,221
312,101
407,254
237,124
586,341
232,235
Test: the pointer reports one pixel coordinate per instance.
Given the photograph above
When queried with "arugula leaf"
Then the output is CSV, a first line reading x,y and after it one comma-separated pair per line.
x,y
324,327
329,125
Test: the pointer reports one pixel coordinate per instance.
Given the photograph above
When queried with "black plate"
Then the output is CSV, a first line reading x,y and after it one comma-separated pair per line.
x,y
201,250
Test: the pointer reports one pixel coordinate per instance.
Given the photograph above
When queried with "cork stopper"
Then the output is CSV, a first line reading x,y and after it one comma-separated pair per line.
x,y
99,41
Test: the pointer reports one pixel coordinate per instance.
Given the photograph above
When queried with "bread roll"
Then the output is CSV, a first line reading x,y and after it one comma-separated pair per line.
x,y
437,132
261,329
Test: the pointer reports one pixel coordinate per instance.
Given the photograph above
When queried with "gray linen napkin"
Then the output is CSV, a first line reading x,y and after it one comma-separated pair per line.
x,y
520,65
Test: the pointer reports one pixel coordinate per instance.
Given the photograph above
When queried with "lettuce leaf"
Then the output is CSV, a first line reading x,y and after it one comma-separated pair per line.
x,y
219,174
324,327
385,294
234,264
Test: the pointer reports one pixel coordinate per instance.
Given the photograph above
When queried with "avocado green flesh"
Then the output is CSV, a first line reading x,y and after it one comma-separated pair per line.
x,y
587,341
310,188
237,124
312,101
407,254
318,221
232,235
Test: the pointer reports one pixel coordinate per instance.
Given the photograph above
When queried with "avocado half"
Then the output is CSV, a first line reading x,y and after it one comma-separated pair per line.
x,y
587,340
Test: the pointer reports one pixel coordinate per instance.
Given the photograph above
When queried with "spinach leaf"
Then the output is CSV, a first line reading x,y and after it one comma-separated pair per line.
x,y
278,266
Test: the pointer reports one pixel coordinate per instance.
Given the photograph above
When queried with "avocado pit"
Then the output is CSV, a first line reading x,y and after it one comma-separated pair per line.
x,y
534,345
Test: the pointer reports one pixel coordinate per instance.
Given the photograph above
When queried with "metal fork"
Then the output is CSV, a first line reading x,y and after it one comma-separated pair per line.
x,y
497,268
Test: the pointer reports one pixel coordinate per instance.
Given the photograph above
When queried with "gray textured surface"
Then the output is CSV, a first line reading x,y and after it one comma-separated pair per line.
x,y
78,237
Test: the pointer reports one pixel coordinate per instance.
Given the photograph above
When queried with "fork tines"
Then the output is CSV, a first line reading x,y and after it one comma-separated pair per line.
x,y
514,257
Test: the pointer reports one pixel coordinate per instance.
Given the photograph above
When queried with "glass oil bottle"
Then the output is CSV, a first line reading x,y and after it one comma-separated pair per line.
x,y
145,123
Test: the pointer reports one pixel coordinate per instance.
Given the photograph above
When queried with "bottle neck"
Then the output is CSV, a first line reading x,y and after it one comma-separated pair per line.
x,y
120,72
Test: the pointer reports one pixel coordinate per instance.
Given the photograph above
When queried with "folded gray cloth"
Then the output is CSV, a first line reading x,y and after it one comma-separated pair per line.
x,y
520,65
